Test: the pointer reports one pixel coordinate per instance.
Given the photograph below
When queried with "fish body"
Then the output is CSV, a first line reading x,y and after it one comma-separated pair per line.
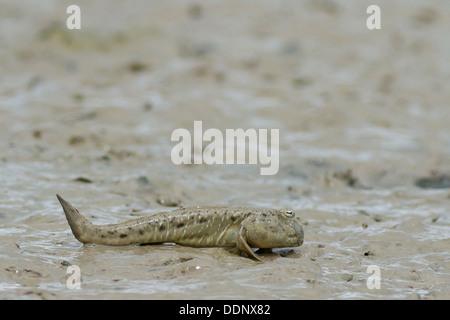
x,y
241,227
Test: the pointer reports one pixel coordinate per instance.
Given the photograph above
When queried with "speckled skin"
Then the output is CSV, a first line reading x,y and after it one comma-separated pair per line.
x,y
239,227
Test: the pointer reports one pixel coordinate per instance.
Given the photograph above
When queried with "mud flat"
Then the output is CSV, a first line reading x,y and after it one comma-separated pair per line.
x,y
364,138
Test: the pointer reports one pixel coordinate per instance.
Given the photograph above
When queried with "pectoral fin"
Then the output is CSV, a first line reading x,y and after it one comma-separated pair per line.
x,y
243,246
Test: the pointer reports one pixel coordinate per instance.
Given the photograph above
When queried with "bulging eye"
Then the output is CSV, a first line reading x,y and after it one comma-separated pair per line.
x,y
289,213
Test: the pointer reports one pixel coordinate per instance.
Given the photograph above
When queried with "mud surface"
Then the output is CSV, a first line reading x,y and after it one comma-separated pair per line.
x,y
364,144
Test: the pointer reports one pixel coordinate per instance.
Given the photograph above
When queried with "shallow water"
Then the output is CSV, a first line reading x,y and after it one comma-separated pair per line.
x,y
364,145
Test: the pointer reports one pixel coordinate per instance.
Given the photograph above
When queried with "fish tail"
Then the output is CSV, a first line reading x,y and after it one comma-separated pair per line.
x,y
78,223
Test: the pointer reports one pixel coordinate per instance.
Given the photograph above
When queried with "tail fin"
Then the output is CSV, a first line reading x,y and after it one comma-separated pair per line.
x,y
78,223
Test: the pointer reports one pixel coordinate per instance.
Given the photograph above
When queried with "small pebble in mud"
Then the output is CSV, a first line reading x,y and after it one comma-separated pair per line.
x,y
83,180
105,158
147,106
326,6
143,181
137,66
363,212
28,272
364,225
76,140
167,201
347,277
377,218
290,48
37,134
425,16
32,273
195,11
78,97
435,181
301,82
289,253
65,263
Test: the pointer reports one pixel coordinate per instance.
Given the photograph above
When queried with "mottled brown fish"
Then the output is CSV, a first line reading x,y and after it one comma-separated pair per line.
x,y
240,227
